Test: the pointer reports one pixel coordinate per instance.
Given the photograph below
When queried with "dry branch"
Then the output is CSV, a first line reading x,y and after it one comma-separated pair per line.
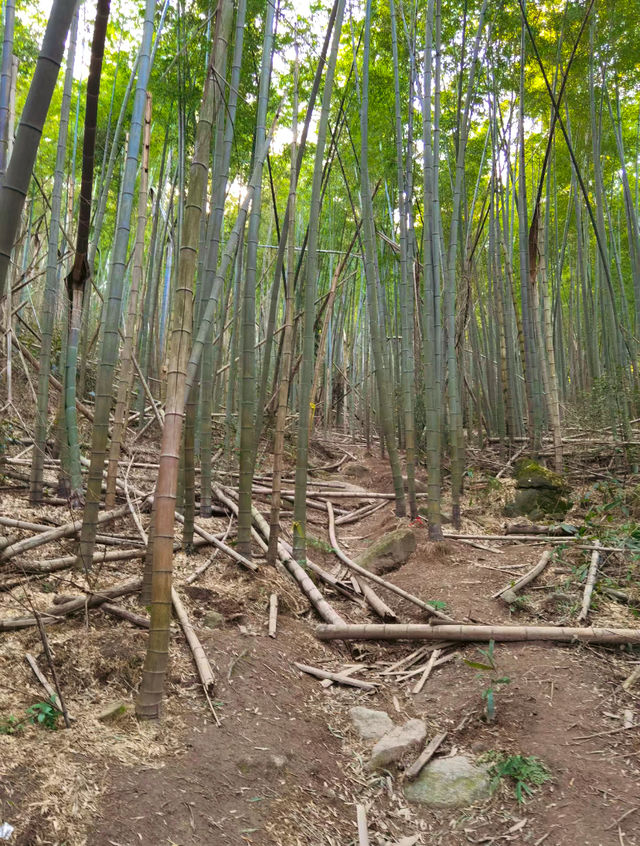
x,y
421,631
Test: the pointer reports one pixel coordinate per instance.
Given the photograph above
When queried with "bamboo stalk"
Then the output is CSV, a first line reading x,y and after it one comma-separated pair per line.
x,y
420,631
427,671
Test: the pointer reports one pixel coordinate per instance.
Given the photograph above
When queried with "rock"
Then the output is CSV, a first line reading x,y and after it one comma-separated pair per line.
x,y
356,470
370,724
213,619
262,765
389,552
113,711
450,783
396,743
539,492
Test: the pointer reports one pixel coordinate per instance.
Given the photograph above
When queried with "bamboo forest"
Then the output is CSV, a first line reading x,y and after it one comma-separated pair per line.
x,y
320,422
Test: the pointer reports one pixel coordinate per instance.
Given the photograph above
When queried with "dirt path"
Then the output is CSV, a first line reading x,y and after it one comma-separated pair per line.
x,y
285,766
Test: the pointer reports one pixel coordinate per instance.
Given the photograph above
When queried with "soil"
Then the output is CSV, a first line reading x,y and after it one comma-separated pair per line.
x,y
284,765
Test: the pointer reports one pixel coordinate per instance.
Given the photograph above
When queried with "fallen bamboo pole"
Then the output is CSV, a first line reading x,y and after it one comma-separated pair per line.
x,y
199,656
89,600
58,532
377,579
421,631
590,583
508,594
312,593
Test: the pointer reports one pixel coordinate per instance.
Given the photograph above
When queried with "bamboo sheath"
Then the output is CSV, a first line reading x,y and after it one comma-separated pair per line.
x,y
419,631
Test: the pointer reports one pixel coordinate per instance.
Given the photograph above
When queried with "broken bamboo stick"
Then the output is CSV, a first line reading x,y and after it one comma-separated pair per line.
x,y
590,583
273,614
421,631
199,656
424,758
335,677
508,594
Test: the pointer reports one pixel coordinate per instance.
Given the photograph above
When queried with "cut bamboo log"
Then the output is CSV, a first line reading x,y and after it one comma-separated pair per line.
x,y
632,679
424,758
335,677
312,593
363,828
508,594
212,539
421,631
273,614
433,612
590,583
378,605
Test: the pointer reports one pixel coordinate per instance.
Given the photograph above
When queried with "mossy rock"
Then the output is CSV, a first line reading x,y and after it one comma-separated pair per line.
x,y
389,552
530,474
538,503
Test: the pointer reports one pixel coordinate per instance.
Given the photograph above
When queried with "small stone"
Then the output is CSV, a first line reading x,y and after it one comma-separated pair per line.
x,y
113,711
370,724
455,782
394,745
213,620
389,552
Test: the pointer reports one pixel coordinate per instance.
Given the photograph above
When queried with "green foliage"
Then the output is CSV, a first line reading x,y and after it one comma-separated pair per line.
x,y
44,714
524,772
495,680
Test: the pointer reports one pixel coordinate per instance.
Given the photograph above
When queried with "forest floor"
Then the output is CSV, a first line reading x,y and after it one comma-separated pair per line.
x,y
285,765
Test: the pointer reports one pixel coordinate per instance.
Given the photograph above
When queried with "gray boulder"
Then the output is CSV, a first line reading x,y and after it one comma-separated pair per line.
x,y
394,745
450,783
370,724
389,552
